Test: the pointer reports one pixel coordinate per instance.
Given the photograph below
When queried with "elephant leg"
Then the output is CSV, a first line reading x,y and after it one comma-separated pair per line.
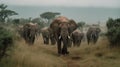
x,y
47,40
59,46
33,39
52,41
44,39
79,42
69,42
64,49
73,41
88,40
95,39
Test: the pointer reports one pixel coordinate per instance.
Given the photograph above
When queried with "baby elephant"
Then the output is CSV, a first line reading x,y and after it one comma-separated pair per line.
x,y
48,35
77,36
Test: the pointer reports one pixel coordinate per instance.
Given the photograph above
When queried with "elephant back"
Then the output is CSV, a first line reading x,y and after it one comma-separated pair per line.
x,y
45,31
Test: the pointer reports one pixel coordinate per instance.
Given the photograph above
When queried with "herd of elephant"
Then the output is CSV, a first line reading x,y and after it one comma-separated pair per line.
x,y
61,31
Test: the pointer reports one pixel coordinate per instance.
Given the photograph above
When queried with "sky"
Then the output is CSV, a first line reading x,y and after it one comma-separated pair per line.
x,y
67,3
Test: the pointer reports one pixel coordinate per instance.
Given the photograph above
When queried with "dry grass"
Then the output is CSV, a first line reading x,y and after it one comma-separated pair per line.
x,y
40,55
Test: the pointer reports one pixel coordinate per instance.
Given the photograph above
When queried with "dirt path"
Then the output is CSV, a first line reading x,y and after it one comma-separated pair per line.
x,y
71,61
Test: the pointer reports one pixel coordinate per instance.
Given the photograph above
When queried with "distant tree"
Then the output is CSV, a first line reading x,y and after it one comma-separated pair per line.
x,y
81,24
49,16
39,21
110,23
16,21
5,13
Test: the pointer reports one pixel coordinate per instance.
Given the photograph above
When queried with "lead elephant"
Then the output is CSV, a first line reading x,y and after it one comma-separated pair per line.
x,y
62,28
93,34
77,37
30,31
47,35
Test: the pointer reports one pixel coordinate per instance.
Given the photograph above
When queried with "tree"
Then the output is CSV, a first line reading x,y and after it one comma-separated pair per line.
x,y
80,25
5,13
49,16
6,41
113,33
110,23
39,22
16,21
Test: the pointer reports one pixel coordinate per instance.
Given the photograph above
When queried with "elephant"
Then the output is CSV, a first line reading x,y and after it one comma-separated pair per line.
x,y
93,34
30,31
47,35
77,36
62,28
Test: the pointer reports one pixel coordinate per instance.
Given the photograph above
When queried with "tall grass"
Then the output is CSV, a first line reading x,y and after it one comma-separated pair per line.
x,y
40,55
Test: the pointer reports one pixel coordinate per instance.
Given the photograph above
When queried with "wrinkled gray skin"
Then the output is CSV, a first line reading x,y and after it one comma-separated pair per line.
x,y
47,35
30,31
93,34
77,36
62,28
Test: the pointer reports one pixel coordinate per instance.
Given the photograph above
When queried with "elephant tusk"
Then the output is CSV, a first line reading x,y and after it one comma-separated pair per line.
x,y
69,37
59,37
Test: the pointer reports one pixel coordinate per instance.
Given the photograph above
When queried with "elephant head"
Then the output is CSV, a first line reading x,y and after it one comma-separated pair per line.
x,y
93,34
77,37
62,28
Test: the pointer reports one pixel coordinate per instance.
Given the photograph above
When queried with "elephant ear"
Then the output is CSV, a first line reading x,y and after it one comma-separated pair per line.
x,y
72,26
55,25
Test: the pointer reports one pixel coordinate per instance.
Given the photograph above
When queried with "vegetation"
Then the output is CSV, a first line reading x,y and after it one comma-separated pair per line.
x,y
5,41
81,24
113,33
49,16
39,21
5,13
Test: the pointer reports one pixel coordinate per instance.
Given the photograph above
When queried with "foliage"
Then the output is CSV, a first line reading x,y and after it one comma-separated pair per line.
x,y
113,31
81,24
39,22
49,16
16,21
6,41
5,13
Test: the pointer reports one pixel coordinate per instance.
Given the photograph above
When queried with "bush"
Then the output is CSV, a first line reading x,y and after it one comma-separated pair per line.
x,y
113,33
6,41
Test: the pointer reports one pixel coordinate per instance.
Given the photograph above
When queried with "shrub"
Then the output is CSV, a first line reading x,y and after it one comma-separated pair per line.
x,y
113,33
6,41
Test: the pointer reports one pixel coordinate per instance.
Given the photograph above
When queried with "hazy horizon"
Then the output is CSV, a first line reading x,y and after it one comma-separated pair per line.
x,y
87,14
